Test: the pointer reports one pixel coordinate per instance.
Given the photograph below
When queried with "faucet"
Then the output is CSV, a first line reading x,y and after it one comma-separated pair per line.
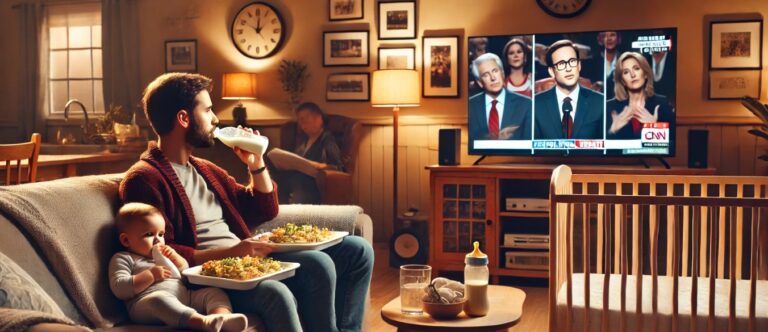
x,y
85,114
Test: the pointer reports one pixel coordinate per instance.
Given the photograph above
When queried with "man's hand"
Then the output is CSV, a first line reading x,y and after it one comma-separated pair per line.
x,y
507,132
320,166
177,260
160,273
253,161
251,247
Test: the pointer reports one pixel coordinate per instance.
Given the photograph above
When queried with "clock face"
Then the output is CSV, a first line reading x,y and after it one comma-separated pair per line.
x,y
257,30
564,8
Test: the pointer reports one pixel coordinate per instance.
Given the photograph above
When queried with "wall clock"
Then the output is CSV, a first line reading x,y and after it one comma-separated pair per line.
x,y
258,30
564,8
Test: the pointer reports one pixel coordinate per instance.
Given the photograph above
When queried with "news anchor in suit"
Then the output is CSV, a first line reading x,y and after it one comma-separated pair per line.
x,y
636,101
497,113
567,110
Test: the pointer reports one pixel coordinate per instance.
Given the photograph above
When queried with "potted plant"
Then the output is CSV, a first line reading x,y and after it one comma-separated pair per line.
x,y
293,75
117,124
761,111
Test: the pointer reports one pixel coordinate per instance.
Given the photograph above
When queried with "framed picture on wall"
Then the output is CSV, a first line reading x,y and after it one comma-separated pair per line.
x,y
348,87
440,66
397,20
734,84
397,58
345,48
343,10
181,55
736,45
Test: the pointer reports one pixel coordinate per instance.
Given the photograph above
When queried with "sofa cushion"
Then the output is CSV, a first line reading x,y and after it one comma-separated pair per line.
x,y
19,291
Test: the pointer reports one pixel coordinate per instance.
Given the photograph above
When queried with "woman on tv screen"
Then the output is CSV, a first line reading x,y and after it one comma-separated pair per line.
x,y
519,80
635,102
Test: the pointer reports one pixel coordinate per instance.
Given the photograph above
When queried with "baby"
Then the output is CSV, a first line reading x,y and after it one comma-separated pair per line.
x,y
152,295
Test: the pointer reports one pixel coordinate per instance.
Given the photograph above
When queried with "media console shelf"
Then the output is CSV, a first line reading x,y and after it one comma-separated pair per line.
x,y
505,208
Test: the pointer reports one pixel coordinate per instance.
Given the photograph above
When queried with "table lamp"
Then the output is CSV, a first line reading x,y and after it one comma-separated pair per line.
x,y
238,86
395,88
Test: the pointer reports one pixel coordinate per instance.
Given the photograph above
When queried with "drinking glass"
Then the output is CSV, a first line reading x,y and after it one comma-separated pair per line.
x,y
414,279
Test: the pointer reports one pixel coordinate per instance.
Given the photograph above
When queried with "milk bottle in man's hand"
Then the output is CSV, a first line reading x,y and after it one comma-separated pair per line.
x,y
236,137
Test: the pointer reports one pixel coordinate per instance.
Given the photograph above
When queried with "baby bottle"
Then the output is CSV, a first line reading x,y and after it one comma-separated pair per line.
x,y
476,282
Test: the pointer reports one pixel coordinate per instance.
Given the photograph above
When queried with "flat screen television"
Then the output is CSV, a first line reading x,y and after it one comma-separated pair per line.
x,y
596,93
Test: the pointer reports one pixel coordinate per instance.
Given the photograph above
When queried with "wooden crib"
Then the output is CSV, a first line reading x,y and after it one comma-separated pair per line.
x,y
665,253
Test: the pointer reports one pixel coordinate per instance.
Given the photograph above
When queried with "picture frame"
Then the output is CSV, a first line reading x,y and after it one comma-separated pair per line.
x,y
736,44
440,67
734,84
346,48
345,10
397,58
348,87
397,20
181,55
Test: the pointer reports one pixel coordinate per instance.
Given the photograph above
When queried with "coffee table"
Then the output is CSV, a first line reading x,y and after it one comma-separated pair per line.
x,y
506,307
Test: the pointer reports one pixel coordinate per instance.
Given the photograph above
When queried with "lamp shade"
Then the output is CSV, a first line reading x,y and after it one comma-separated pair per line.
x,y
238,86
395,88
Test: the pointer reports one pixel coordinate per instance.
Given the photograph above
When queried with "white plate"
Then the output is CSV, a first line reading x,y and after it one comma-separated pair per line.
x,y
193,273
336,238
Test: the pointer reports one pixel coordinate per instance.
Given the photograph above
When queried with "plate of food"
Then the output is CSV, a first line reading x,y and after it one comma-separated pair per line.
x,y
240,272
302,237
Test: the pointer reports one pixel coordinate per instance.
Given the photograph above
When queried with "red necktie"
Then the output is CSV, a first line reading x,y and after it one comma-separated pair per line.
x,y
493,121
567,122
636,126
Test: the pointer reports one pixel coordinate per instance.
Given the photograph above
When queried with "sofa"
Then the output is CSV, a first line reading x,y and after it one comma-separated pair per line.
x,y
56,240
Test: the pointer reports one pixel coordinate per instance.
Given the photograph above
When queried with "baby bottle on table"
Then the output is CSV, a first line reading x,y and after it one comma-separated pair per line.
x,y
476,282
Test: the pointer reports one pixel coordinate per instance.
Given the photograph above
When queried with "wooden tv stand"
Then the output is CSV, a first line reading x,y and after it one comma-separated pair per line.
x,y
489,203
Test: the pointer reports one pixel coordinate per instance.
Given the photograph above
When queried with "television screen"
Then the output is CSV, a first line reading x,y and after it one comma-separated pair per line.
x,y
578,93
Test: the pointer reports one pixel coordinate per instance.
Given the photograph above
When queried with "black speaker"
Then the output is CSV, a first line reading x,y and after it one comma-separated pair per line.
x,y
448,146
409,244
697,148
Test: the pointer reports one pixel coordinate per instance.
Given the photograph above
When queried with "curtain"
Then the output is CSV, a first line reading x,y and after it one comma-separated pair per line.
x,y
120,42
32,69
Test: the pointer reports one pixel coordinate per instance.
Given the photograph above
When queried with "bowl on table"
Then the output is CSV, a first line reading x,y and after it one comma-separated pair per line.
x,y
444,310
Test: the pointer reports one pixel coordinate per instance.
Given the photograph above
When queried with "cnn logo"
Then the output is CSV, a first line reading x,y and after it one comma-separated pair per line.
x,y
654,135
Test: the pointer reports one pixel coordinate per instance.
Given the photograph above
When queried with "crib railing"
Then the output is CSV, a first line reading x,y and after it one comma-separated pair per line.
x,y
713,227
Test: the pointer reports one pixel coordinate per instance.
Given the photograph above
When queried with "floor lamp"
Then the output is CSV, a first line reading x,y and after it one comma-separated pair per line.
x,y
395,88
239,86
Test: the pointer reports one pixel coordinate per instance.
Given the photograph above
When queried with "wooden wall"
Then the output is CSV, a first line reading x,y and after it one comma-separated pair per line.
x,y
732,151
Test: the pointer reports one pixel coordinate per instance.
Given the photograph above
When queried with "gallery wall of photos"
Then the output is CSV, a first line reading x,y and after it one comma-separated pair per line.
x,y
396,24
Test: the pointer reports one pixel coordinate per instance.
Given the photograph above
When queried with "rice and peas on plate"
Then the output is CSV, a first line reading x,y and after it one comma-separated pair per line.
x,y
240,268
244,268
299,234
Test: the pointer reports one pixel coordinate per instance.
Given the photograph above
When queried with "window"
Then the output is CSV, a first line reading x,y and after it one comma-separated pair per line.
x,y
74,52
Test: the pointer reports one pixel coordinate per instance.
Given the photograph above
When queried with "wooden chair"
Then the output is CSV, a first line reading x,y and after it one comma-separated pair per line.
x,y
18,152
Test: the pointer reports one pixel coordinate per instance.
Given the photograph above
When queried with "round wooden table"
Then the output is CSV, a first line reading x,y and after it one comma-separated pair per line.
x,y
506,307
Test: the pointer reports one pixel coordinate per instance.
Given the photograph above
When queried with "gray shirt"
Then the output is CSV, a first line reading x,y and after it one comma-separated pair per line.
x,y
212,231
124,265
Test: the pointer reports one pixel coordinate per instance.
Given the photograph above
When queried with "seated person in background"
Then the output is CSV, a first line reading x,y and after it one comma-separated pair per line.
x,y
151,293
635,102
319,147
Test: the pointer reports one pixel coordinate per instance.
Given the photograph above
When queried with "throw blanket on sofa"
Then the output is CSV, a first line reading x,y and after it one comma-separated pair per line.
x,y
62,221
13,320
